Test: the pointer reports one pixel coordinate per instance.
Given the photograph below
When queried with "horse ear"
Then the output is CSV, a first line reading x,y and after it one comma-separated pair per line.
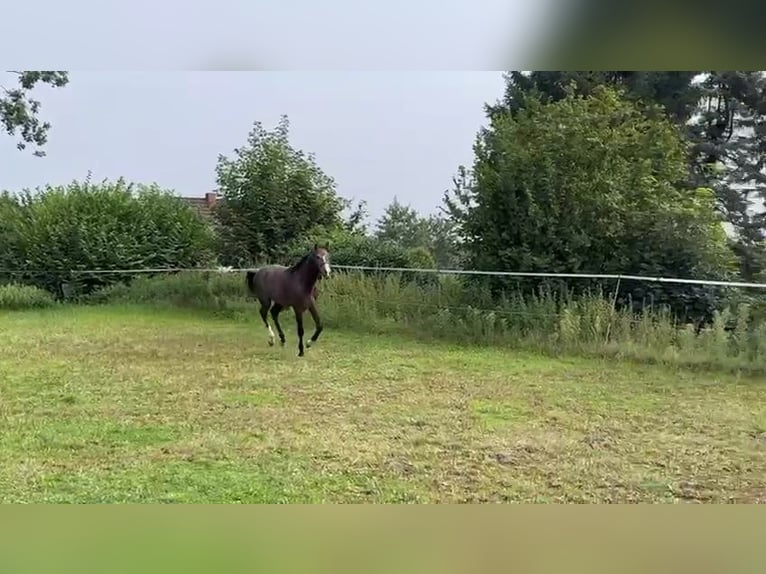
x,y
316,246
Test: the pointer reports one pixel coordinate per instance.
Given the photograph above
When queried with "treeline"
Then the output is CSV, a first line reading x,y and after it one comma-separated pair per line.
x,y
588,172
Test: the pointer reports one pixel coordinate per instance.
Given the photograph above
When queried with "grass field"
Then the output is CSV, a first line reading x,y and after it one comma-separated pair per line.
x,y
122,404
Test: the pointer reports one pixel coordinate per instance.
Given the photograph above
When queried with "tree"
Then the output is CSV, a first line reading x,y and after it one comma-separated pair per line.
x,y
721,113
589,184
355,222
402,225
273,196
730,155
444,242
674,91
19,111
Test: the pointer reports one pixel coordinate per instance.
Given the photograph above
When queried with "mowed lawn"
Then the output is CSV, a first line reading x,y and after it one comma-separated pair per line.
x,y
130,405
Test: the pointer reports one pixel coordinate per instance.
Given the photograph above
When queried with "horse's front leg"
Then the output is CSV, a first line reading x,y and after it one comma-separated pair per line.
x,y
317,323
299,323
275,311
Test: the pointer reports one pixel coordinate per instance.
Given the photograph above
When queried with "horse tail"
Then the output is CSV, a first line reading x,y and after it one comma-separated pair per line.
x,y
250,279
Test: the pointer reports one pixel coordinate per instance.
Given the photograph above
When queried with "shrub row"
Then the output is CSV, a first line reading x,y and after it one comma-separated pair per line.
x,y
47,237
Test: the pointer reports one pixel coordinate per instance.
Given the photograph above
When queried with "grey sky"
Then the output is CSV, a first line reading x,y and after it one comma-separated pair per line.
x,y
379,134
289,34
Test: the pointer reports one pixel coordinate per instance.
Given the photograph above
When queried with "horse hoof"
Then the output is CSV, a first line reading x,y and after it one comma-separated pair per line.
x,y
271,343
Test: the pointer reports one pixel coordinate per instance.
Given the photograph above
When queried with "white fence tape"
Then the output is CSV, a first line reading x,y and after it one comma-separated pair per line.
x,y
453,272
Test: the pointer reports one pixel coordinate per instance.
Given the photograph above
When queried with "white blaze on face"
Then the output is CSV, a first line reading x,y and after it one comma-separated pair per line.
x,y
325,265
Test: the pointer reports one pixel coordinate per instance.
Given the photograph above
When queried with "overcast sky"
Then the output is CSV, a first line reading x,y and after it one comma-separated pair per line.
x,y
379,134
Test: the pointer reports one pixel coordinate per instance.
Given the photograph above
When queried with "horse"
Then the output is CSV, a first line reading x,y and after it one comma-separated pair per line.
x,y
278,287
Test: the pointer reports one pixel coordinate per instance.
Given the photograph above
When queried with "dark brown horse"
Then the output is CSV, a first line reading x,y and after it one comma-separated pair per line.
x,y
278,287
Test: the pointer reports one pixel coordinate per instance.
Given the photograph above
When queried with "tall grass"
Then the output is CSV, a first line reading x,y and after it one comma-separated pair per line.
x,y
550,321
16,297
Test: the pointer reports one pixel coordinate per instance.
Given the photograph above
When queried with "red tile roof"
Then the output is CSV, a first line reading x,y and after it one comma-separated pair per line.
x,y
203,204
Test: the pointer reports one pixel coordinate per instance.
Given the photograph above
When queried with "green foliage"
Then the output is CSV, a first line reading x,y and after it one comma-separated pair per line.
x,y
52,234
13,218
221,293
674,91
354,222
588,184
444,243
273,195
402,225
722,113
358,249
19,112
450,309
15,296
729,142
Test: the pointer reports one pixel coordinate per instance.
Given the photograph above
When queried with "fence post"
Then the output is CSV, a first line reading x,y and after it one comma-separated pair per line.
x,y
612,311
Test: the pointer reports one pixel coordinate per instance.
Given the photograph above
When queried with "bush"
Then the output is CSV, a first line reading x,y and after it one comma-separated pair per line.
x,y
551,321
14,296
52,235
207,291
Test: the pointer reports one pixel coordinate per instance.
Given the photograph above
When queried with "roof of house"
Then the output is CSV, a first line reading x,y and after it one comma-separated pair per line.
x,y
203,205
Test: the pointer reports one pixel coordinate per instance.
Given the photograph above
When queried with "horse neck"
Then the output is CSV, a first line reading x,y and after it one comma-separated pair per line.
x,y
307,274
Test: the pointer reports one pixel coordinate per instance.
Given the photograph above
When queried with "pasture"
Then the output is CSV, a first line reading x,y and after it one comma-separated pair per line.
x,y
131,404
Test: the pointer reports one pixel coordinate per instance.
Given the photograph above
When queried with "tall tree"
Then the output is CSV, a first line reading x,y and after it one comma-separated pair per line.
x,y
355,221
730,152
675,91
403,225
19,111
273,195
589,184
721,113
444,242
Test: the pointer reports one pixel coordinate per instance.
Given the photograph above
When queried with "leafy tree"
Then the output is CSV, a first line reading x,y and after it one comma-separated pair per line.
x,y
402,225
588,184
444,242
273,195
729,155
674,91
19,111
355,222
721,113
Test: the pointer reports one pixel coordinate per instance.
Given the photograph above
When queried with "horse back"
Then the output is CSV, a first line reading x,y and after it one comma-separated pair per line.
x,y
262,280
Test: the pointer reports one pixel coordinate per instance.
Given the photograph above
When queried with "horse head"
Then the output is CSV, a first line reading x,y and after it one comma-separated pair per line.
x,y
321,257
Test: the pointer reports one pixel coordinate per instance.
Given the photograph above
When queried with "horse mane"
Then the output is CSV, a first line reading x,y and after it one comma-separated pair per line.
x,y
295,266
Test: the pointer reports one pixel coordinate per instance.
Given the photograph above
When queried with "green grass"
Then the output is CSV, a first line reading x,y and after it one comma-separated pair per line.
x,y
128,404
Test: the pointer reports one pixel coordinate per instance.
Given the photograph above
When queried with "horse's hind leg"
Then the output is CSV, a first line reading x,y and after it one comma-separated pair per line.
x,y
265,317
299,324
275,310
317,324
